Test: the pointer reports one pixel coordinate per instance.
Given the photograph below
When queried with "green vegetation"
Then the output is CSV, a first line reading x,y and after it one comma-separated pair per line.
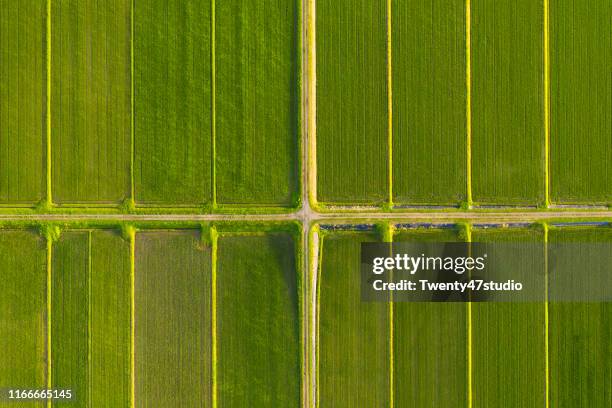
x,y
109,319
70,300
90,101
430,343
353,356
258,321
581,101
429,102
172,102
580,339
509,350
173,320
22,101
352,122
23,316
90,317
257,53
507,102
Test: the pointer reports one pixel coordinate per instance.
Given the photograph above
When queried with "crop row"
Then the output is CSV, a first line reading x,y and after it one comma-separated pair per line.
x,y
150,103
168,318
476,102
456,354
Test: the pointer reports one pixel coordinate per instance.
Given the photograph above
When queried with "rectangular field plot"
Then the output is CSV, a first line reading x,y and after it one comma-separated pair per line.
x,y
258,321
22,101
352,123
353,353
581,101
257,73
507,72
90,317
430,343
429,102
172,102
23,312
580,339
172,320
90,101
508,339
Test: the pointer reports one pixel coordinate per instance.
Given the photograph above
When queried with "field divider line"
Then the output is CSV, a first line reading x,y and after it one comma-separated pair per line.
x,y
391,327
89,347
49,283
546,318
389,104
213,100
132,118
547,102
470,368
132,240
468,98
214,237
311,159
49,198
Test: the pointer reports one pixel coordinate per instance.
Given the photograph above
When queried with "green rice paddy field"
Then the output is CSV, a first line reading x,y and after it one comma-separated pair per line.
x,y
456,354
154,103
477,102
167,332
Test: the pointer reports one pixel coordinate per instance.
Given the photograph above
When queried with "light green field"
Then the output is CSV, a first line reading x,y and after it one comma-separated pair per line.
x,y
353,356
258,321
581,101
23,312
257,54
580,339
429,102
352,122
507,73
430,343
22,101
90,101
109,319
90,315
172,102
70,301
173,320
508,346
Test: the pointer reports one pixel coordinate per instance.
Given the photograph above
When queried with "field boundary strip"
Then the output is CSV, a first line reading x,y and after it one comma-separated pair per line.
x,y
49,195
132,238
214,237
49,316
546,316
132,116
390,108
213,100
547,105
468,99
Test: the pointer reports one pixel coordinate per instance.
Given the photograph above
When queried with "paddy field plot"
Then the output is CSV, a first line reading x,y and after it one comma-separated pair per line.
x,y
508,339
23,310
507,63
257,101
428,47
352,139
90,317
581,101
580,338
353,347
258,316
173,324
90,101
173,102
23,101
430,342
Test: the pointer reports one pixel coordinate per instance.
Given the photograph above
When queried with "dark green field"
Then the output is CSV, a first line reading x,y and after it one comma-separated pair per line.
x,y
581,101
172,68
507,102
352,143
429,99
